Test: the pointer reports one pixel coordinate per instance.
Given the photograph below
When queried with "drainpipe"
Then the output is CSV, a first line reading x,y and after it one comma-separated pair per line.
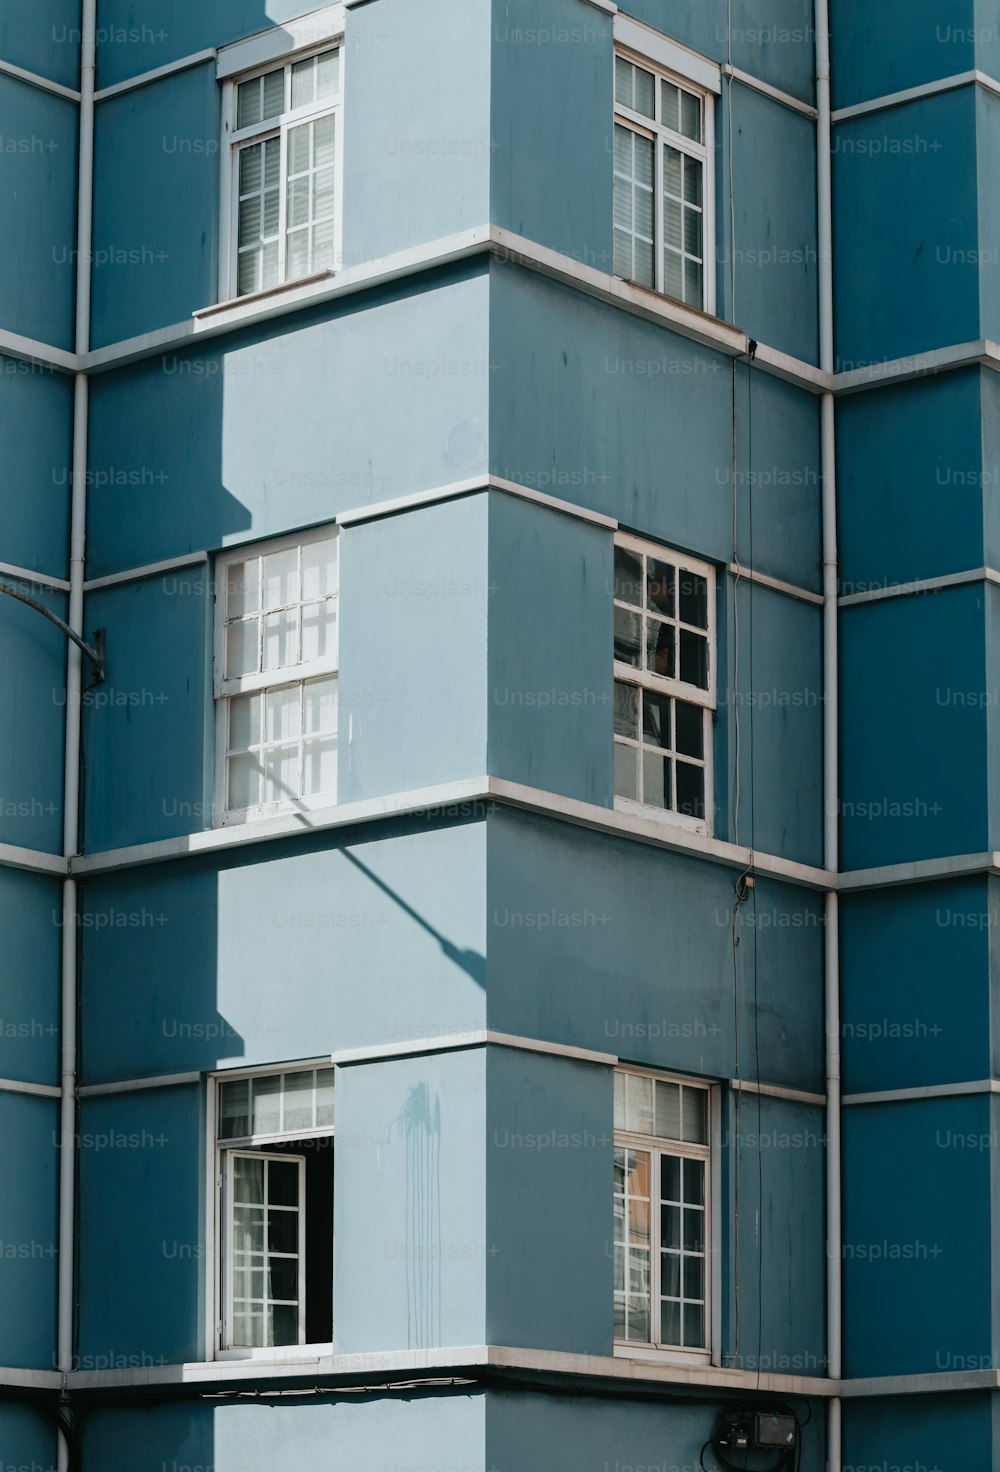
x,y
831,778
71,781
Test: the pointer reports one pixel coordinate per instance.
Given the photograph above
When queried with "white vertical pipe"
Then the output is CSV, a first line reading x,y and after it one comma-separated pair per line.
x,y
831,781
71,780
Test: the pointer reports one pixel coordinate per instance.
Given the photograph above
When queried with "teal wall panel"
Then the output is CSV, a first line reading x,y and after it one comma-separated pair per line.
x,y
905,43
550,652
43,38
141,1209
413,632
411,1232
28,1437
949,1432
32,722
36,406
549,1161
156,213
901,1028
180,962
38,168
29,1232
31,926
218,445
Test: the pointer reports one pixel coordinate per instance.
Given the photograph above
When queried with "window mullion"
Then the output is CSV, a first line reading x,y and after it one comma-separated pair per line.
x,y
283,202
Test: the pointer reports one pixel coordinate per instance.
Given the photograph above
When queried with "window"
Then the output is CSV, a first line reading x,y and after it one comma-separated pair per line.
x,y
276,677
283,127
662,1215
664,234
275,1191
664,681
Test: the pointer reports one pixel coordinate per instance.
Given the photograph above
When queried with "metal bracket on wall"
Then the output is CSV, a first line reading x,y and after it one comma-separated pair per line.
x,y
94,652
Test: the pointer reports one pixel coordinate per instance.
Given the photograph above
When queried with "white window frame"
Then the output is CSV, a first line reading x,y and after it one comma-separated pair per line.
x,y
655,1146
284,677
218,1258
326,33
679,689
670,62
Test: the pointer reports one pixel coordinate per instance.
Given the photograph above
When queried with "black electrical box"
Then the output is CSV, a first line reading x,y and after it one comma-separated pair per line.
x,y
772,1430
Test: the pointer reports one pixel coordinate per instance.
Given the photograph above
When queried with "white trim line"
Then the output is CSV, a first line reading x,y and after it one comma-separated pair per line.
x,y
908,94
18,1086
31,1379
182,64
658,832
135,1085
451,492
33,860
920,585
918,871
36,579
917,365
792,370
669,54
927,1383
325,23
778,1091
775,93
7,68
608,6
925,1091
28,350
147,570
554,503
750,575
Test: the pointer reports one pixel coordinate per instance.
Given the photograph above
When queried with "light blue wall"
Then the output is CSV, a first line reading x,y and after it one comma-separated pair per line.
x,y
901,1027
32,722
549,1160
354,1434
987,37
141,1219
156,210
906,1165
180,961
417,131
30,923
43,38
29,1232
414,597
550,651
552,166
214,444
602,943
38,170
901,44
905,228
157,697
920,790
35,450
411,1231
910,481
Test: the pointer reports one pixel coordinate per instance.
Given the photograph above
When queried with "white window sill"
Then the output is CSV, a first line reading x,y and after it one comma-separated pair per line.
x,y
278,1355
303,805
284,290
643,1353
664,816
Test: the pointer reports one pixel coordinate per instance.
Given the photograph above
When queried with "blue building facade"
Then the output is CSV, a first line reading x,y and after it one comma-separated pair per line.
x,y
478,992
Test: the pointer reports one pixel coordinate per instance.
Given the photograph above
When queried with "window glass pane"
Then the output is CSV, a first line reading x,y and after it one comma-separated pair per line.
x,y
626,771
283,1277
324,141
251,159
690,790
243,786
672,223
642,273
284,1324
304,82
670,1322
299,140
281,773
670,1178
692,233
242,588
298,201
319,776
299,1091
244,722
274,93
626,710
628,577
692,181
639,1104
693,283
319,569
282,1231
673,274
327,75
281,639
637,1309
670,1274
694,1277
671,171
694,1176
619,1118
247,273
234,1110
623,81
623,250
660,581
320,705
248,1228
694,1326
248,1331
656,719
656,780
280,584
642,93
283,714
690,122
668,1110
324,1096
660,647
670,103
248,101
297,255
628,636
696,1116
283,1175
694,659
267,1105
670,1227
694,1230
319,630
248,1180
690,737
